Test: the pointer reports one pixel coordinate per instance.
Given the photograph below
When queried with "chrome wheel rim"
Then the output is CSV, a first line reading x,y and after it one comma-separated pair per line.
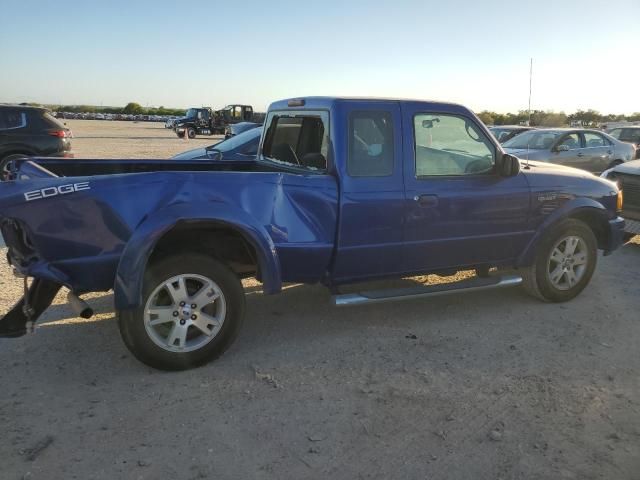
x,y
568,262
185,313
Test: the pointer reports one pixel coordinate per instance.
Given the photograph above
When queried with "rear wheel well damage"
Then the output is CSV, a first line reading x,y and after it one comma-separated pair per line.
x,y
219,241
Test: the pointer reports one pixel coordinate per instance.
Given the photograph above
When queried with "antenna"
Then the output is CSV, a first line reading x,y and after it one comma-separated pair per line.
x,y
529,122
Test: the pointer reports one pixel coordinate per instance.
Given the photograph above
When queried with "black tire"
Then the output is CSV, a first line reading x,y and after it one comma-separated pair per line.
x,y
180,134
4,164
615,163
191,132
536,278
140,342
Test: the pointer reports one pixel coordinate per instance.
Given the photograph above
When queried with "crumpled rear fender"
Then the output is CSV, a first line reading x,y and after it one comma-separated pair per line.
x,y
132,265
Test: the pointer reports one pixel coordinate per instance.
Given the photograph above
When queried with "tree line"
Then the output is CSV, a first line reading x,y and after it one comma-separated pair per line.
x,y
130,108
540,118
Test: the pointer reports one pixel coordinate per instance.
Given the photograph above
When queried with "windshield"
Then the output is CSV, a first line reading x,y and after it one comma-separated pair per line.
x,y
250,138
191,113
533,140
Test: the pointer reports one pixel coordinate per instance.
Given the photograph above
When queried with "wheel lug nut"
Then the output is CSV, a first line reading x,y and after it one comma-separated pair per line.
x,y
193,317
193,305
175,314
182,322
182,304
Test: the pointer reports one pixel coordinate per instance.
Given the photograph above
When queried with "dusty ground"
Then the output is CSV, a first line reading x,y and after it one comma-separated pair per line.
x,y
492,385
104,139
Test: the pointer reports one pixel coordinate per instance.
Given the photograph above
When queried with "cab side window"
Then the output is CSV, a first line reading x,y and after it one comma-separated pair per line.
x,y
451,145
370,144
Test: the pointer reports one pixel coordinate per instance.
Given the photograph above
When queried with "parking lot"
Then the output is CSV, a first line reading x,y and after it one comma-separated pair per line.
x,y
491,385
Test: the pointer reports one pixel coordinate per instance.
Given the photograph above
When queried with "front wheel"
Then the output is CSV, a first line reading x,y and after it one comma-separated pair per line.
x,y
564,263
193,308
191,132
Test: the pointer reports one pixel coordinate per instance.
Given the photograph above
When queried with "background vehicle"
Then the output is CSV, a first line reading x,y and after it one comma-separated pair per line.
x,y
507,132
629,135
28,131
627,176
589,150
341,191
238,128
243,146
205,121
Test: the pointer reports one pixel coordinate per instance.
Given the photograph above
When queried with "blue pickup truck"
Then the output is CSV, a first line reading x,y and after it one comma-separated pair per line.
x,y
342,191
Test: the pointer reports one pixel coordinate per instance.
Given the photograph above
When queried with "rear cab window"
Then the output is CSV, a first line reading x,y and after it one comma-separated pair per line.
x,y
297,139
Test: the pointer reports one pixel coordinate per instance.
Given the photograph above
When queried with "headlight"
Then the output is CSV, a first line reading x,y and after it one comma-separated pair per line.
x,y
619,201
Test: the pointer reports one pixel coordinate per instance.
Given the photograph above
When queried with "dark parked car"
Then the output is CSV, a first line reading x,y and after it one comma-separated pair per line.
x,y
628,135
589,150
243,146
31,131
238,128
507,132
627,176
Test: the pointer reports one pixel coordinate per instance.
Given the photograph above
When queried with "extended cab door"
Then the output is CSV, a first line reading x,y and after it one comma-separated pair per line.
x,y
370,238
459,211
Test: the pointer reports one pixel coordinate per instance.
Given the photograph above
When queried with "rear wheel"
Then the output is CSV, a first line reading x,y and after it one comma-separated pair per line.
x,y
564,263
193,308
191,132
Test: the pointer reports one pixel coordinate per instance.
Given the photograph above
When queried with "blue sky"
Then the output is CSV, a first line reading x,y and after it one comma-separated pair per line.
x,y
180,54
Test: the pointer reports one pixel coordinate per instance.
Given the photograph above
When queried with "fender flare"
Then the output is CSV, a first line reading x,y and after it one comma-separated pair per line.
x,y
569,209
130,273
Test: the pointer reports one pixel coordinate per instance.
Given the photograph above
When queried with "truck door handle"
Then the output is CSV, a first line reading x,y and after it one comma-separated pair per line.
x,y
426,200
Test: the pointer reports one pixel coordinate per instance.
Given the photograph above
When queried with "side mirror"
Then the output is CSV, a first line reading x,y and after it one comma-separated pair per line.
x,y
509,166
562,148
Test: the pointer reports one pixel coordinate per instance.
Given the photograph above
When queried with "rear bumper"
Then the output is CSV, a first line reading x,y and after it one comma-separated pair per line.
x,y
616,235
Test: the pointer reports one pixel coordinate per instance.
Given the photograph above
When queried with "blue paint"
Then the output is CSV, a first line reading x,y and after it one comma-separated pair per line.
x,y
305,226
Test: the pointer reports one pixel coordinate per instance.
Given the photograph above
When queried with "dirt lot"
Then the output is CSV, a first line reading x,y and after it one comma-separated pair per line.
x,y
492,385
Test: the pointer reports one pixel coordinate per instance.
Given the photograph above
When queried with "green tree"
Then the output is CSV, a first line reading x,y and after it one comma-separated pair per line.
x,y
486,117
133,108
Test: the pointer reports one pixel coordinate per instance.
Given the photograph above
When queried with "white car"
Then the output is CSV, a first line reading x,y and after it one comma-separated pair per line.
x,y
627,176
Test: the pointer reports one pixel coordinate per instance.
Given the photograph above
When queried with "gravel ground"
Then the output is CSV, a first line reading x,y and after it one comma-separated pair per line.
x,y
491,385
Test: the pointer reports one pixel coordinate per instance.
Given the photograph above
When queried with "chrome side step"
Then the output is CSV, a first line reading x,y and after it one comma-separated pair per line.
x,y
471,285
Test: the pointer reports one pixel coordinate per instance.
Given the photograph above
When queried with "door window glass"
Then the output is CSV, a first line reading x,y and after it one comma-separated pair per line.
x,y
572,141
593,140
11,119
451,145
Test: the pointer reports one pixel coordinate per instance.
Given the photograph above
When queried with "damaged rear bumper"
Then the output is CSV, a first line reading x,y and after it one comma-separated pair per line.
x,y
36,300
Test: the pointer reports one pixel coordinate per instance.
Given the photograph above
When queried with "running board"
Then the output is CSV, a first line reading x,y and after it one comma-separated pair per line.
x,y
471,285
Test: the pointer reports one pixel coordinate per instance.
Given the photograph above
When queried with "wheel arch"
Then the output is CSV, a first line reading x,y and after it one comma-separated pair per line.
x,y
592,213
182,229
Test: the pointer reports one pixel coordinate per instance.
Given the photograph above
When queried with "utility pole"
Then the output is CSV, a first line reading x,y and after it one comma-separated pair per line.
x,y
530,77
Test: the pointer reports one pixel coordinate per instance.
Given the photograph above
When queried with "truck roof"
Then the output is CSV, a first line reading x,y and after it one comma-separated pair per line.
x,y
330,102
